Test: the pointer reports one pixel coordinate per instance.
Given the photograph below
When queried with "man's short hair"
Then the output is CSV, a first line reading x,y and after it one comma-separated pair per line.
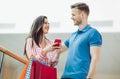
x,y
81,6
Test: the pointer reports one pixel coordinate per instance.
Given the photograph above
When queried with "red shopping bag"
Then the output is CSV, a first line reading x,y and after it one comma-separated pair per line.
x,y
41,71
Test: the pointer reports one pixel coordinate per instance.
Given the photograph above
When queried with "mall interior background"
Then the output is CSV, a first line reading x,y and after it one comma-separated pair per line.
x,y
16,18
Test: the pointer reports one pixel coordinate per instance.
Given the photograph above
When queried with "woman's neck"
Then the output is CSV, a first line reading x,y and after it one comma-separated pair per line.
x,y
43,42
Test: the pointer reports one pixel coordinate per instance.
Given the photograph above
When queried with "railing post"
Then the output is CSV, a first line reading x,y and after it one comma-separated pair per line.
x,y
1,62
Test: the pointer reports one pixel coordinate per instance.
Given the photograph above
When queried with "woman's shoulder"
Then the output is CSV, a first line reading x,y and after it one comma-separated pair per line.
x,y
29,40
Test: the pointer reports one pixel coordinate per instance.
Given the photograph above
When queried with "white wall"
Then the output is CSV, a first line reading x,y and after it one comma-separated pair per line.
x,y
22,12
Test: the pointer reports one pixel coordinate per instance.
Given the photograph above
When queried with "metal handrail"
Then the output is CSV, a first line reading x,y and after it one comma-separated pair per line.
x,y
1,62
10,53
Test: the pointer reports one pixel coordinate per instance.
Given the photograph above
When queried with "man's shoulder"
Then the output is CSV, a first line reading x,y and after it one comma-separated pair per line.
x,y
93,29
74,32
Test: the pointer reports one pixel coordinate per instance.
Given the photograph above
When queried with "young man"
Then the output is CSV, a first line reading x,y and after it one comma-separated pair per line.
x,y
84,46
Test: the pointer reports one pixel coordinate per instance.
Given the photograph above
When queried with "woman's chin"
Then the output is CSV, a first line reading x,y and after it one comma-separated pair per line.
x,y
46,32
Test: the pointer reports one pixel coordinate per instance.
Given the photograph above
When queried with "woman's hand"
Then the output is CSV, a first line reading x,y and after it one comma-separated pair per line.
x,y
54,46
32,55
59,49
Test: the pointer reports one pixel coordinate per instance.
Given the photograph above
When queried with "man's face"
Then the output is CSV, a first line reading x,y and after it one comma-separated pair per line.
x,y
76,16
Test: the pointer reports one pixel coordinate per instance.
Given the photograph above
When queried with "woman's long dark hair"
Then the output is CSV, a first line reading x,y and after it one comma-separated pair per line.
x,y
36,32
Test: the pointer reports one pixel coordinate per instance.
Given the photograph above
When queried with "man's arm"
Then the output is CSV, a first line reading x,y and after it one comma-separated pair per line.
x,y
95,56
64,48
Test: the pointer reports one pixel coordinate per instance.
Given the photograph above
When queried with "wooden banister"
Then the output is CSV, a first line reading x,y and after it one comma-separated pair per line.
x,y
10,53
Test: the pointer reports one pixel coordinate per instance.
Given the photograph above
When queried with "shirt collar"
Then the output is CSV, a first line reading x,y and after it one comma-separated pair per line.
x,y
86,28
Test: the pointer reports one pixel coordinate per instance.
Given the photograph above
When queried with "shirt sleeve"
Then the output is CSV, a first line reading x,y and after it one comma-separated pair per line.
x,y
29,48
67,41
95,39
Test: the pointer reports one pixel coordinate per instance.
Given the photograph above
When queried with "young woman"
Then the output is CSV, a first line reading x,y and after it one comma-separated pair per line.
x,y
39,46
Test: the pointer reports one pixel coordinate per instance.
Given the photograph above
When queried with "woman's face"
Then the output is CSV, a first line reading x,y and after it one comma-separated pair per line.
x,y
45,26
